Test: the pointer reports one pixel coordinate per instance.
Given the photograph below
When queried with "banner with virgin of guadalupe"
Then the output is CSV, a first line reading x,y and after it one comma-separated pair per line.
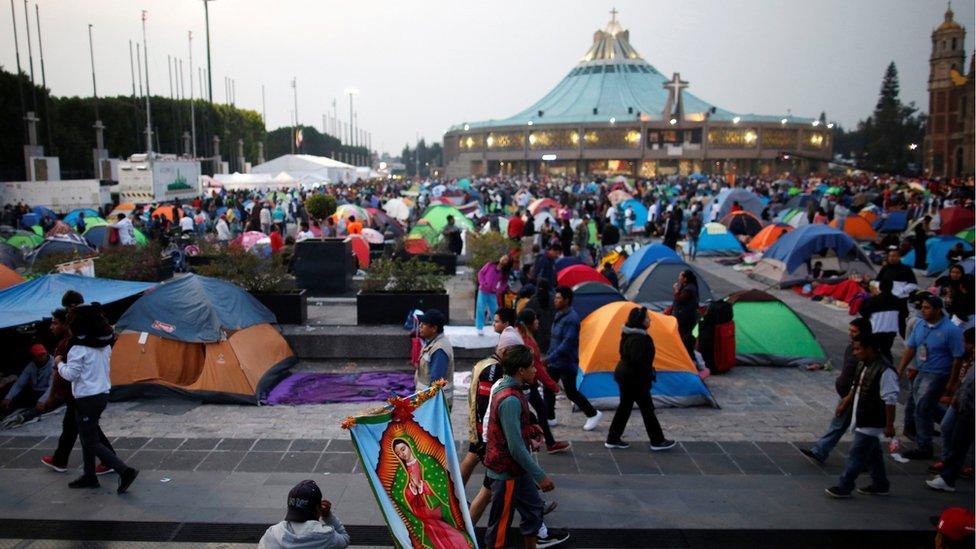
x,y
407,452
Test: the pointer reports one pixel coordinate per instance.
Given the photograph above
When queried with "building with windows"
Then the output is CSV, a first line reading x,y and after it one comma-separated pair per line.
x,y
949,137
614,113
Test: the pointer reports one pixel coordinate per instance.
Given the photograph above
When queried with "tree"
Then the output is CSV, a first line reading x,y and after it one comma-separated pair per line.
x,y
890,130
423,156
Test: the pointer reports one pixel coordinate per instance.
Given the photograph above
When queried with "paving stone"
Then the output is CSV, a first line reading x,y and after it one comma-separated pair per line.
x,y
756,464
147,459
24,442
310,445
631,462
30,459
340,445
563,463
716,464
298,462
676,464
200,444
259,462
237,444
796,464
9,454
271,445
740,448
163,444
693,447
221,461
778,448
183,460
5,439
593,459
129,443
336,462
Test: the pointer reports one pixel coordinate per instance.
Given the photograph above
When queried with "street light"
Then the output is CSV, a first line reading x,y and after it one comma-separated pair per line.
x,y
206,16
351,92
913,146
673,121
736,119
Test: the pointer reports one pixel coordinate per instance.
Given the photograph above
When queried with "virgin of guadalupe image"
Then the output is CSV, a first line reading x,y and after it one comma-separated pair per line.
x,y
423,493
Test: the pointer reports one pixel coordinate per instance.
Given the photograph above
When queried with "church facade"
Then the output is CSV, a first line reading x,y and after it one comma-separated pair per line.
x,y
615,113
949,138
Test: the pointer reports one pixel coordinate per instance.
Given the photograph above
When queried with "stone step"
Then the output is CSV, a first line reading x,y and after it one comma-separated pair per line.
x,y
354,343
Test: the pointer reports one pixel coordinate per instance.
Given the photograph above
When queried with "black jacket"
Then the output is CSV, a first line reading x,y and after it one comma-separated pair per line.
x,y
636,366
886,303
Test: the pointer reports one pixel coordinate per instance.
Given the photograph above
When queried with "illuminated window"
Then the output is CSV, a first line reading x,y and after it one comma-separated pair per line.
x,y
506,141
732,138
779,139
814,141
612,139
553,139
474,142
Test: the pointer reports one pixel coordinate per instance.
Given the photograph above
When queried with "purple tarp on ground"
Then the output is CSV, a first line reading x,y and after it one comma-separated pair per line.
x,y
313,388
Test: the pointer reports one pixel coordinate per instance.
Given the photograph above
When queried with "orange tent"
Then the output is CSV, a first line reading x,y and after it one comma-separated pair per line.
x,y
857,227
768,236
870,215
169,211
677,383
9,277
360,248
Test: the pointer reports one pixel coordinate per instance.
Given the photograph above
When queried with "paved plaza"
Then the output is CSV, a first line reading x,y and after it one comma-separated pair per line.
x,y
217,473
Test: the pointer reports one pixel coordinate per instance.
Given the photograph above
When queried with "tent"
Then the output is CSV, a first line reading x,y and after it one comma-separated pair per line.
x,y
936,251
33,301
25,240
728,197
640,213
653,287
892,222
437,214
643,258
11,256
858,227
578,274
769,333
168,211
793,217
9,277
590,296
969,235
97,236
869,215
677,382
800,201
74,215
397,208
715,239
742,223
540,204
787,262
956,219
202,338
768,236
566,262
61,244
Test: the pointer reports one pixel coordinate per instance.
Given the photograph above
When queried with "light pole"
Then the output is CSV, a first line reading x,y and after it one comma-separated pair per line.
x,y
193,110
145,53
351,92
294,86
206,17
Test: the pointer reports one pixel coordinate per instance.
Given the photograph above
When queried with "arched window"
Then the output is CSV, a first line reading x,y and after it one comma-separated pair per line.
x,y
943,45
954,43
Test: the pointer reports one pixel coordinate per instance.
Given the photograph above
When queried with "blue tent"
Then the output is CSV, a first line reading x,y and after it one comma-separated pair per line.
x,y
892,222
41,212
567,261
801,200
643,258
61,244
195,309
795,247
11,256
640,212
727,197
936,250
590,296
28,220
73,215
715,239
34,300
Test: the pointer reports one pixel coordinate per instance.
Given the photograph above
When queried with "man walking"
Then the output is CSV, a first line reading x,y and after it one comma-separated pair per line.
x,y
563,357
937,347
515,477
694,231
437,356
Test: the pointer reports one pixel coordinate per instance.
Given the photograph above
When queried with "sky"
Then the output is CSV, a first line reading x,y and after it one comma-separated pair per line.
x,y
421,66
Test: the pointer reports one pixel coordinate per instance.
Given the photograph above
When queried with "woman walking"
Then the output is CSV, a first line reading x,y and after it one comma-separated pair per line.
x,y
527,325
87,368
685,309
492,283
634,376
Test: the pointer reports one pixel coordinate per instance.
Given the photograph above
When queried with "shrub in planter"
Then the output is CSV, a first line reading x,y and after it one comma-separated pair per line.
x,y
265,278
139,263
320,206
394,287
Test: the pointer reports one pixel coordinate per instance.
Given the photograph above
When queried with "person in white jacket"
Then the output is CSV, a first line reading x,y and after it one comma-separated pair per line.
x,y
309,523
223,230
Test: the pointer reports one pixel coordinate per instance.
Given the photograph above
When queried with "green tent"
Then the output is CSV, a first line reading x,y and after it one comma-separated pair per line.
x,y
436,216
969,235
594,238
24,240
428,233
769,333
37,230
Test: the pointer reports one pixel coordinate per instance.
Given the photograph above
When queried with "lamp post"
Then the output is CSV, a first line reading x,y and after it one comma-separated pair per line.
x,y
351,92
206,17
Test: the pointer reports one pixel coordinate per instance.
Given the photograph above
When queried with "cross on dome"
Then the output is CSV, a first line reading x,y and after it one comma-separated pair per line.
x,y
613,15
674,105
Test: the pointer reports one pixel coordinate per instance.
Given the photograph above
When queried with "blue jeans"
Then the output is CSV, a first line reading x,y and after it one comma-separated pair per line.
x,y
693,246
866,452
485,301
927,388
948,427
838,426
962,442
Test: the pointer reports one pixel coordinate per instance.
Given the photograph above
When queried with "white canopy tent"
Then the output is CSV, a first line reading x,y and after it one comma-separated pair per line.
x,y
250,181
308,169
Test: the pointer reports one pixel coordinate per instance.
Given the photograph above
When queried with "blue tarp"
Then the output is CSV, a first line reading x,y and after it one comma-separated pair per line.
x,y
795,247
194,308
34,300
936,250
644,258
893,222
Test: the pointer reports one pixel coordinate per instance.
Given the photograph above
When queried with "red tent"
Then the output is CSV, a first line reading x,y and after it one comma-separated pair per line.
x,y
578,274
956,219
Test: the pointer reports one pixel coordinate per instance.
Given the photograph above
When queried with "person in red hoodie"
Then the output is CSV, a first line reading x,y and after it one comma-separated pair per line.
x,y
527,324
516,226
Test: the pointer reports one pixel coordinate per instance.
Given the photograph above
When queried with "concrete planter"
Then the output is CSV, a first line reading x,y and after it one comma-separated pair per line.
x,y
393,308
289,307
447,262
324,266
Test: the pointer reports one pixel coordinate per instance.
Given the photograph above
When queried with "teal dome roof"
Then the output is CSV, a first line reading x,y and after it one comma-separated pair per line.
x,y
612,80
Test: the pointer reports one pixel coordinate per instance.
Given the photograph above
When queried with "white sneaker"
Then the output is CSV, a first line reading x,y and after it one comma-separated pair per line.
x,y
481,331
939,484
591,422
553,422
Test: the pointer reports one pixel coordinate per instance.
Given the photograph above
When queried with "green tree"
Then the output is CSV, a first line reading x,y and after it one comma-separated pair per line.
x,y
889,132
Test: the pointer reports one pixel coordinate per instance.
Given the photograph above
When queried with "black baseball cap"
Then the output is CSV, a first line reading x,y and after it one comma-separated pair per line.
x,y
433,317
303,501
